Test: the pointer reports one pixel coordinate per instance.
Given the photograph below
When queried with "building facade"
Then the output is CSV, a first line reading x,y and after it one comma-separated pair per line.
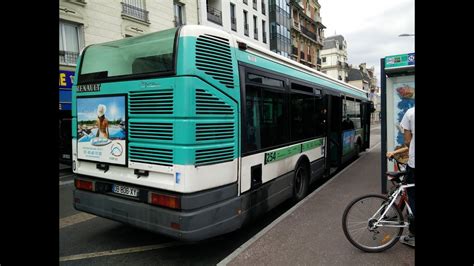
x,y
334,58
247,19
307,32
363,78
85,22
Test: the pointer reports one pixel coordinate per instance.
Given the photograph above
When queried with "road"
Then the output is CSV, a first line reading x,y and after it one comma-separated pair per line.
x,y
86,239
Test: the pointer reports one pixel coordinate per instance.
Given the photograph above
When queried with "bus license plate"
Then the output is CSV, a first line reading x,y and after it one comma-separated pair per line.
x,y
128,191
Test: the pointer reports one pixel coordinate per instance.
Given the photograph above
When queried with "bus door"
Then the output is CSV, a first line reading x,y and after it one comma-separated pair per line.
x,y
334,131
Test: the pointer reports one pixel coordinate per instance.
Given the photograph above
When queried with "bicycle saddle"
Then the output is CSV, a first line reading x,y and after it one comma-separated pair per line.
x,y
395,176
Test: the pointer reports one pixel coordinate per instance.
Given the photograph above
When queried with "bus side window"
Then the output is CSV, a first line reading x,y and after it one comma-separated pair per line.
x,y
253,110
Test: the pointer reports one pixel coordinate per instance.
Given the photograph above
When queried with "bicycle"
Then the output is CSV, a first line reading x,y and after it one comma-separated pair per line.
x,y
374,222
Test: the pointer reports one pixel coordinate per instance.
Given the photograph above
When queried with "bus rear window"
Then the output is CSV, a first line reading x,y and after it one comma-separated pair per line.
x,y
125,58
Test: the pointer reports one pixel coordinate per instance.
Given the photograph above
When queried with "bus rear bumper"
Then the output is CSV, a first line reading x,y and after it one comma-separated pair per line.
x,y
212,220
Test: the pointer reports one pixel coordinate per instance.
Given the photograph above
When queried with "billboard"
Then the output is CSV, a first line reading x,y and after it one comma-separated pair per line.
x,y
101,129
404,99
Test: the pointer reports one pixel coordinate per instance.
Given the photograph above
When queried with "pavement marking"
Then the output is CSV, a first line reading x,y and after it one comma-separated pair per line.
x,y
121,251
62,183
65,176
75,219
249,242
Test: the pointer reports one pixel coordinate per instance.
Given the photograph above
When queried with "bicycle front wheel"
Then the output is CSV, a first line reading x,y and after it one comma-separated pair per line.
x,y
359,218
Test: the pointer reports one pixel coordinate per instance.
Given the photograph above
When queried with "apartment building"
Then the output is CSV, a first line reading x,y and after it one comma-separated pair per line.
x,y
307,32
247,19
334,58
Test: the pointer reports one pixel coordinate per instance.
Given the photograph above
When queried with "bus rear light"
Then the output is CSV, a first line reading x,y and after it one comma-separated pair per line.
x,y
165,200
84,184
175,226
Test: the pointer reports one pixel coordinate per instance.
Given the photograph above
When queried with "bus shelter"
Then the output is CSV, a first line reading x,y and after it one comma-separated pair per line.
x,y
398,95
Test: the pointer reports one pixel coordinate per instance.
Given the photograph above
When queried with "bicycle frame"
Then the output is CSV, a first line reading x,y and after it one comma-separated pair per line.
x,y
392,198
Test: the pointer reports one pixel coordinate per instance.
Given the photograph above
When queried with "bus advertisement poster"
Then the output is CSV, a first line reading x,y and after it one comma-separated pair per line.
x,y
404,99
101,129
348,141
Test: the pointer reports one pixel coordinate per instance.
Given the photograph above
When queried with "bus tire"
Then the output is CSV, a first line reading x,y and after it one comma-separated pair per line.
x,y
300,182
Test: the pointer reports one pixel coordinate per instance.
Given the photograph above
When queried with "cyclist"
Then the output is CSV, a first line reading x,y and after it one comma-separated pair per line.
x,y
408,125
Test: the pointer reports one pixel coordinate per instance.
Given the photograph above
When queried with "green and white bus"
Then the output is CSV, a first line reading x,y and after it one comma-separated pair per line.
x,y
192,132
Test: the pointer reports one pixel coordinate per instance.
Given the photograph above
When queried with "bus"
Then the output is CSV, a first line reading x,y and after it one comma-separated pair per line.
x,y
192,132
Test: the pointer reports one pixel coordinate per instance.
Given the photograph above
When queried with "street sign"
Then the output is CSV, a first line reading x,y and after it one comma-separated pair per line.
x,y
402,60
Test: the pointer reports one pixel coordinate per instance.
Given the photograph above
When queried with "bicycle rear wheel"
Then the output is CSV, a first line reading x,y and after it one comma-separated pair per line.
x,y
357,223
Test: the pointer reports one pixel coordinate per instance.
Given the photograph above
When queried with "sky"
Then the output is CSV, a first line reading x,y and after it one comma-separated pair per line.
x,y
370,28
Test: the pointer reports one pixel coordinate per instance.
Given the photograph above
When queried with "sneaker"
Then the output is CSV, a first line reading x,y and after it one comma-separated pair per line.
x,y
408,240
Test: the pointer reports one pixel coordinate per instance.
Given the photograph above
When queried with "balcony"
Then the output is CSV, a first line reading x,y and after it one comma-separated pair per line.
x,y
246,29
296,24
317,18
308,33
68,58
135,12
233,24
214,15
294,51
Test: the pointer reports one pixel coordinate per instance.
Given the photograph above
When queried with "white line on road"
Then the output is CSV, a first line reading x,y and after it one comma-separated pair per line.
x,y
244,246
62,183
65,176
75,219
121,251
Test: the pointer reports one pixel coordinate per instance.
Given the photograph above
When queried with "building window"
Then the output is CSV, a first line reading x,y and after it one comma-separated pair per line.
x,y
324,59
264,33
244,1
246,24
135,9
233,20
214,12
255,28
70,42
255,4
179,14
263,7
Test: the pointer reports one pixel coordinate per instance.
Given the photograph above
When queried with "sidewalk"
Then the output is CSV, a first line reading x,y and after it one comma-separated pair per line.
x,y
311,232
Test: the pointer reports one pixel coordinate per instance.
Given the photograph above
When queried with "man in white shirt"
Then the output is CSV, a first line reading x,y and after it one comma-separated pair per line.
x,y
408,125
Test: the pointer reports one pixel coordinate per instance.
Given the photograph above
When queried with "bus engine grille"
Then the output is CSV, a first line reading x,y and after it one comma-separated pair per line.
x,y
154,102
214,155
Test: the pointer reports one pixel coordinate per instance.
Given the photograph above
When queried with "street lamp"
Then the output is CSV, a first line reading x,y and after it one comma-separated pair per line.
x,y
406,35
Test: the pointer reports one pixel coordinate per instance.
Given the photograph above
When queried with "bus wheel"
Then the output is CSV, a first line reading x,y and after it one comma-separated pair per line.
x,y
300,185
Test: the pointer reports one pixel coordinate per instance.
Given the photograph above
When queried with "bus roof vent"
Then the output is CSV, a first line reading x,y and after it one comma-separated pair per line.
x,y
213,56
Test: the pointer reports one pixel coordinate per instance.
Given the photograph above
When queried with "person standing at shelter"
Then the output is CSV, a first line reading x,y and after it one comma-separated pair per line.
x,y
408,125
